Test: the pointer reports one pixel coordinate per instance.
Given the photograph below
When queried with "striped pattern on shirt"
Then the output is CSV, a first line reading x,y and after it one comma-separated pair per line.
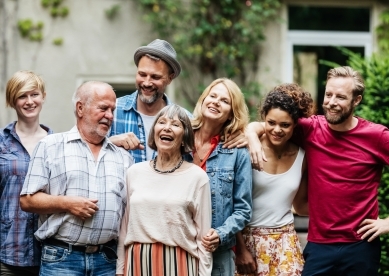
x,y
149,259
63,165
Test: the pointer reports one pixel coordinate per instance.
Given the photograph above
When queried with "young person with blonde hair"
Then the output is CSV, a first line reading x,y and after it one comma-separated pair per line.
x,y
19,251
221,111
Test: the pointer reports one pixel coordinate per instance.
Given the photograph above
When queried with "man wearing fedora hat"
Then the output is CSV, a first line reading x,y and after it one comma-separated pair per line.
x,y
157,67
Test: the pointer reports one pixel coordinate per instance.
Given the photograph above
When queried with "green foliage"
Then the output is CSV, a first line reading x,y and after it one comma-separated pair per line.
x,y
112,12
383,32
55,9
213,38
58,41
34,32
29,29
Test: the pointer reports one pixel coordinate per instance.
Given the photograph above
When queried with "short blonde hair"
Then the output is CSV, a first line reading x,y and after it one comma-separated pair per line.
x,y
348,72
21,82
240,114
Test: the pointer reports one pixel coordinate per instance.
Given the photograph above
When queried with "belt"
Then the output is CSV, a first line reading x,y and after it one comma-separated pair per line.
x,y
82,248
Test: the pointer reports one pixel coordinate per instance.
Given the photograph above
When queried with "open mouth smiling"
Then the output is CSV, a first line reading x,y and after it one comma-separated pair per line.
x,y
166,138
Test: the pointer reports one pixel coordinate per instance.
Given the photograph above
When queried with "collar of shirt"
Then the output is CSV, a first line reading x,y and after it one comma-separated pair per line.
x,y
74,134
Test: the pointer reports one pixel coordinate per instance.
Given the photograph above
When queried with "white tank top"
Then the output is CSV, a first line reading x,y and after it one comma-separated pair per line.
x,y
273,195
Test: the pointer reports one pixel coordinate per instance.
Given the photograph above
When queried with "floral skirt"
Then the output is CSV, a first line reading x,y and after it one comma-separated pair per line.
x,y
157,259
277,251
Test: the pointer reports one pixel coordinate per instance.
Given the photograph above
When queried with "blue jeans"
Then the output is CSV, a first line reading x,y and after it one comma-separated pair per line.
x,y
223,263
58,261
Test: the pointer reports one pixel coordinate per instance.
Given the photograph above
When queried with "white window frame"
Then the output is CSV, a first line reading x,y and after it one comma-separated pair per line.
x,y
324,38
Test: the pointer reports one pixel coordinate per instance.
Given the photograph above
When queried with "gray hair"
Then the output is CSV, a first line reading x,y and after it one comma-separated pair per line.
x,y
83,93
170,111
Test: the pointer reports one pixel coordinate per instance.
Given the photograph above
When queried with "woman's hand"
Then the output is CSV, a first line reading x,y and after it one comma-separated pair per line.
x,y
211,241
253,132
235,140
244,261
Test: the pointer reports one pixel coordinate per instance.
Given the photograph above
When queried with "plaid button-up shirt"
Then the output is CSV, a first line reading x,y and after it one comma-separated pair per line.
x,y
63,165
18,247
128,119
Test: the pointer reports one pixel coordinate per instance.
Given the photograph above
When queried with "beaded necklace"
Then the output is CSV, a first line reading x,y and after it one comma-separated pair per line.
x,y
169,171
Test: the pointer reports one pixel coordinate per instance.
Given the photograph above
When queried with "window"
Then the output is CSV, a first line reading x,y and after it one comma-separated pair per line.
x,y
314,33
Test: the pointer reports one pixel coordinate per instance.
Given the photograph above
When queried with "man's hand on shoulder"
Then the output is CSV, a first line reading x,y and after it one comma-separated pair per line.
x,y
128,140
373,228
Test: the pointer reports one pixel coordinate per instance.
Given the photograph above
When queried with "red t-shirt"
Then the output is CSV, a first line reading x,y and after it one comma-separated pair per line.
x,y
344,172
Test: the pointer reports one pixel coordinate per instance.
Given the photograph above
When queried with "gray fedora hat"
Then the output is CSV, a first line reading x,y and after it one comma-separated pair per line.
x,y
162,49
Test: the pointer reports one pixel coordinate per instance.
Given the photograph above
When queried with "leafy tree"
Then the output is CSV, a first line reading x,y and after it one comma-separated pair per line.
x,y
213,39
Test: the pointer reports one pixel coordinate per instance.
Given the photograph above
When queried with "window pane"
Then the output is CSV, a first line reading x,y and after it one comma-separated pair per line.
x,y
329,18
123,89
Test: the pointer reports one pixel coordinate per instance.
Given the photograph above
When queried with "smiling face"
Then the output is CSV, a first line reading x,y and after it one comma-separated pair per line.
x,y
29,104
151,79
96,115
339,103
168,134
217,104
279,126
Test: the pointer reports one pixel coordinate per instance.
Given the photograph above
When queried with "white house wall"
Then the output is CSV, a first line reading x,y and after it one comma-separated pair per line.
x,y
96,48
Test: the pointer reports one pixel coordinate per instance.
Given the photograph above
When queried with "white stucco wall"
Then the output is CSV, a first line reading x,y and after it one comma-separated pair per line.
x,y
94,48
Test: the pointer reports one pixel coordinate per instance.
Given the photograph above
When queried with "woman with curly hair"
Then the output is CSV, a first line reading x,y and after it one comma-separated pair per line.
x,y
269,244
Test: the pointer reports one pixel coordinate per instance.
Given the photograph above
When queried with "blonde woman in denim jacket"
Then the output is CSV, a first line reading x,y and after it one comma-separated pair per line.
x,y
220,112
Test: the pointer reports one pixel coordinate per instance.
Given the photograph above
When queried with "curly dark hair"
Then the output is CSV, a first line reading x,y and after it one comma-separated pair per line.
x,y
291,98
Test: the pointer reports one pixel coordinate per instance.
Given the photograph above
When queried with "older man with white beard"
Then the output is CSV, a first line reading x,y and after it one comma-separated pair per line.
x,y
76,182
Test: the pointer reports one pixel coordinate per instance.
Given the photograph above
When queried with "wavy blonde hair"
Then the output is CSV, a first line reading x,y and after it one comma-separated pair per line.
x,y
240,114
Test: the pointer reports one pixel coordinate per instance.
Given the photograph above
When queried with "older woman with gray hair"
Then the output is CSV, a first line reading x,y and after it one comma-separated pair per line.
x,y
169,206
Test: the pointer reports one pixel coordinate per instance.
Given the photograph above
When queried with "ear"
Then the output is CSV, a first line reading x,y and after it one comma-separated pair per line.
x,y
79,109
357,100
170,78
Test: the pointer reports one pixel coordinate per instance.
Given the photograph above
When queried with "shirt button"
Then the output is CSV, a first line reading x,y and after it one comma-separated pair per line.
x,y
213,211
213,192
212,174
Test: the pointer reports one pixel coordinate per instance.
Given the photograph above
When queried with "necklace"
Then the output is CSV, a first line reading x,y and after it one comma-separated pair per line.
x,y
197,152
169,171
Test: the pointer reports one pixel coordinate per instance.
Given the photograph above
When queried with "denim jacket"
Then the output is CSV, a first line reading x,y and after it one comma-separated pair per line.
x,y
230,174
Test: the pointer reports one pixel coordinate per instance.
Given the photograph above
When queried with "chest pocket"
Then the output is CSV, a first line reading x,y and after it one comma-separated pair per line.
x,y
226,181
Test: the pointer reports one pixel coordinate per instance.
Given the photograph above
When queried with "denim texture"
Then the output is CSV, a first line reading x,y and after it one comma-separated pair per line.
x,y
58,261
223,263
230,178
127,119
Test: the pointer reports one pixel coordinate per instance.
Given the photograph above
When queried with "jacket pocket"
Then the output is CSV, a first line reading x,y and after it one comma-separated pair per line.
x,y
226,181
